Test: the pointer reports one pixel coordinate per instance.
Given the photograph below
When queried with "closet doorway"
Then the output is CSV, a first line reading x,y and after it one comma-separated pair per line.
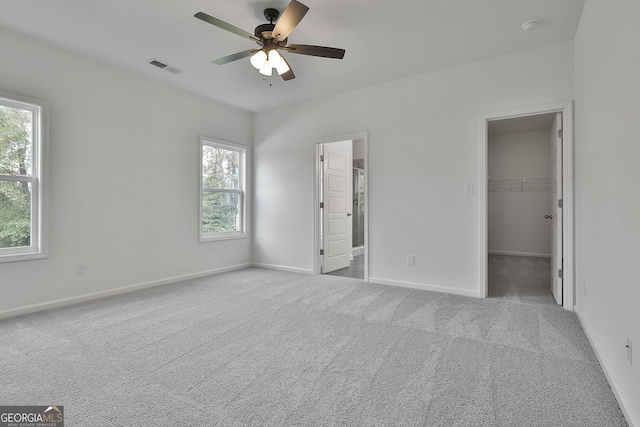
x,y
341,207
527,252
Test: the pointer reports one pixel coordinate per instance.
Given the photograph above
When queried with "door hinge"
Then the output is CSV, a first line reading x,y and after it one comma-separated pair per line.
x,y
322,158
560,273
560,203
560,133
321,251
321,205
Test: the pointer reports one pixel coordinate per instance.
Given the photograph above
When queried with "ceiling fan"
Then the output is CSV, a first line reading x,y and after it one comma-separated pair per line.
x,y
271,38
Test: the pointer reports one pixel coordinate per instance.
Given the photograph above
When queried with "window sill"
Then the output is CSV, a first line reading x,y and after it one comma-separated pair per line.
x,y
15,257
222,236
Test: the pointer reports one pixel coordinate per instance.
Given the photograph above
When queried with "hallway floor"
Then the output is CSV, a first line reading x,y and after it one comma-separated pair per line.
x,y
354,271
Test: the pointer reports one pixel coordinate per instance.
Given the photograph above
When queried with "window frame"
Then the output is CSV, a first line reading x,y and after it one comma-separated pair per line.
x,y
39,241
241,191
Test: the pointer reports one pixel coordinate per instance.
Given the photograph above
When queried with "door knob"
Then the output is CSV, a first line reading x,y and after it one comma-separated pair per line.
x,y
348,214
549,216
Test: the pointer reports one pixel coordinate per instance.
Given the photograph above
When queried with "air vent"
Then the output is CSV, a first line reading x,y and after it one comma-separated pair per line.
x,y
157,63
164,66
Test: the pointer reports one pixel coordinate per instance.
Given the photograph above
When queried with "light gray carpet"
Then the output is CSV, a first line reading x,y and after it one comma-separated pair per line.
x,y
265,348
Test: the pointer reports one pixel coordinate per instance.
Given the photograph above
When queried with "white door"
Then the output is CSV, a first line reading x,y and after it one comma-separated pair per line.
x,y
336,199
556,210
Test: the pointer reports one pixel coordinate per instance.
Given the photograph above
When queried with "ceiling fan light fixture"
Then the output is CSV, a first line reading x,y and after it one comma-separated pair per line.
x,y
277,62
274,57
282,67
258,59
266,69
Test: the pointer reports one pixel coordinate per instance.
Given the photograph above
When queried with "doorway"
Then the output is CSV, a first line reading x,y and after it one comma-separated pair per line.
x,y
523,253
526,242
341,226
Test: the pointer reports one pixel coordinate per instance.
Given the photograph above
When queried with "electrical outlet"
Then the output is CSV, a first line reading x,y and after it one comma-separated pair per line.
x,y
411,260
629,347
468,189
81,269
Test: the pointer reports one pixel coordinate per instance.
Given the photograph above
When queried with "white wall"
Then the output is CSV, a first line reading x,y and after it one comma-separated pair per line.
x,y
516,219
358,149
424,145
607,197
123,176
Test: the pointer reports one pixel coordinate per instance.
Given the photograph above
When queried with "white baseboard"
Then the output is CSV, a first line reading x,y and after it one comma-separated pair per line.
x,y
282,268
50,305
621,401
425,287
357,251
520,254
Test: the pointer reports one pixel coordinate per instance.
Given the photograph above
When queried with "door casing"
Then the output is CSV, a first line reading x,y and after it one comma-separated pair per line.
x,y
566,108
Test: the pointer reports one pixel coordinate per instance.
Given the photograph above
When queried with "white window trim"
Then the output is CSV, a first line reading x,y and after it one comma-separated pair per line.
x,y
39,180
242,192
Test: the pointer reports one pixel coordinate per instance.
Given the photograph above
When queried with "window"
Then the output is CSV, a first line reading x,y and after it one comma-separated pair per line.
x,y
22,165
222,190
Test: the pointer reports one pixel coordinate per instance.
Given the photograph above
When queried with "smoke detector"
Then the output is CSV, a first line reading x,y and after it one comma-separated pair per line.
x,y
531,25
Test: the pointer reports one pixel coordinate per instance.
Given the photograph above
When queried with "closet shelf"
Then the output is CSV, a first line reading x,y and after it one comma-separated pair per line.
x,y
519,184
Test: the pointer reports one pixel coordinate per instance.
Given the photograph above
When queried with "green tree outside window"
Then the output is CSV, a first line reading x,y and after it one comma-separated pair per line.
x,y
15,159
221,189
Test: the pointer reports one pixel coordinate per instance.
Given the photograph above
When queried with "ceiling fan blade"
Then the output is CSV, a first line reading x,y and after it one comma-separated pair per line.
x,y
322,51
289,74
234,57
289,19
225,26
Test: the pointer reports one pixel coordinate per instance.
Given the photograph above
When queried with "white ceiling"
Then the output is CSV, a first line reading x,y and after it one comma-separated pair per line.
x,y
384,40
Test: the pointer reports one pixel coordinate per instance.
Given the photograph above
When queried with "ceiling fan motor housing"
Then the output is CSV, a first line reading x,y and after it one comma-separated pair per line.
x,y
264,31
